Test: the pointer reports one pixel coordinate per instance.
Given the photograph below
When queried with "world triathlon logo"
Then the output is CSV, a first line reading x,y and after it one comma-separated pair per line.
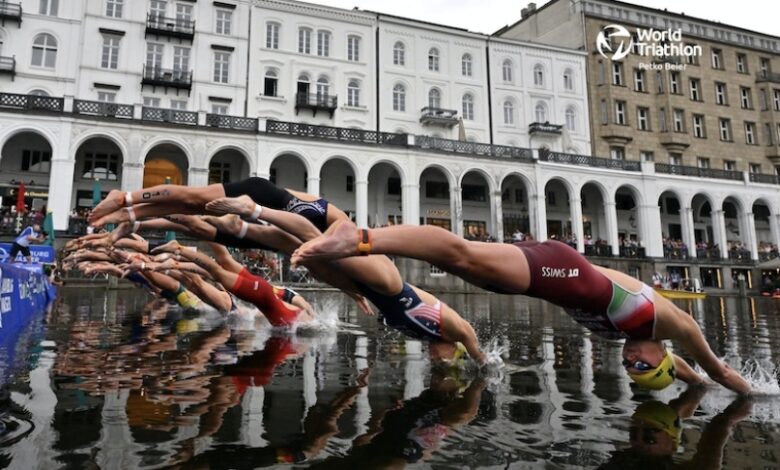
x,y
614,42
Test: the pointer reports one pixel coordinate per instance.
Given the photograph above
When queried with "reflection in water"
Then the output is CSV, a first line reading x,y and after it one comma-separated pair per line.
x,y
122,383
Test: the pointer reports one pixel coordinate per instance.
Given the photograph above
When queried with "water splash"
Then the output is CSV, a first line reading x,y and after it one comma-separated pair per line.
x,y
763,380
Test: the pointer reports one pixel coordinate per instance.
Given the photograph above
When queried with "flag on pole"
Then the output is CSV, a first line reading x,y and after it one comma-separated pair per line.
x,y
20,207
48,227
97,194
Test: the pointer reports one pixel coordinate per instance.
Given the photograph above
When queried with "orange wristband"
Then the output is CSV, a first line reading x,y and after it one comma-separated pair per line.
x,y
364,242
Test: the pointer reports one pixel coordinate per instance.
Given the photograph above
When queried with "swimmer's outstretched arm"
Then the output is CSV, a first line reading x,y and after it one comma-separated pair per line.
x,y
217,298
716,433
674,324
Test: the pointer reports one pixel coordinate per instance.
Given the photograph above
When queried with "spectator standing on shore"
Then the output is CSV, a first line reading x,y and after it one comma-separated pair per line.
x,y
31,234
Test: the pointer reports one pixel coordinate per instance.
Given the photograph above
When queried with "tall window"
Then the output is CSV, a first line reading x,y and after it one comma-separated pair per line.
x,y
353,48
717,58
698,126
750,133
776,99
434,98
179,104
224,20
101,166
36,160
538,75
219,108
568,80
674,82
353,93
639,80
571,119
695,85
154,55
399,98
110,55
271,83
617,73
114,8
106,96
662,120
44,51
151,101
48,7
468,107
659,81
399,54
742,63
466,65
221,67
304,41
323,87
157,9
675,159
703,162
509,113
540,112
183,13
720,93
433,60
678,119
764,66
617,153
506,70
181,58
272,35
323,43
643,118
744,98
620,113
604,111
725,129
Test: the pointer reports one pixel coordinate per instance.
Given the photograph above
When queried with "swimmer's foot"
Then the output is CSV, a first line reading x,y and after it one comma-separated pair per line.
x,y
229,223
112,203
126,214
243,206
172,246
339,241
121,231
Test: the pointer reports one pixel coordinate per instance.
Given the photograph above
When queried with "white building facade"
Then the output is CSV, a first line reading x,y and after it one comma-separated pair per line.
x,y
519,161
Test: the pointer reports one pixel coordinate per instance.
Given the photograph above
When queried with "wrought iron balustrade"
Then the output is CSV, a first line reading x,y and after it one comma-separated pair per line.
x,y
585,160
341,134
675,253
8,65
175,116
158,76
636,252
740,256
768,77
598,250
710,254
438,116
231,122
768,255
474,148
159,25
32,102
100,108
10,11
764,178
544,128
683,170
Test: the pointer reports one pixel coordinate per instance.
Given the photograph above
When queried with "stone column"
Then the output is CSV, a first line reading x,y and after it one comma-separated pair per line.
x,y
651,232
575,212
361,203
688,230
751,241
198,177
538,205
610,214
456,210
774,228
410,200
61,188
719,232
497,212
313,185
132,176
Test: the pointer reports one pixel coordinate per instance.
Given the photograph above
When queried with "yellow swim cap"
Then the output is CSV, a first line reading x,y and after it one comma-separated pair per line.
x,y
185,326
660,416
658,378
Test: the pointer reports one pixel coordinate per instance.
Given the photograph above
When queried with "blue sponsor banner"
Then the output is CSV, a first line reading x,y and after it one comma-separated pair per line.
x,y
24,294
40,253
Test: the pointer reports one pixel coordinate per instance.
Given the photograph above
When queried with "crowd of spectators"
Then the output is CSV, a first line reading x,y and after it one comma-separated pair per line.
x,y
10,223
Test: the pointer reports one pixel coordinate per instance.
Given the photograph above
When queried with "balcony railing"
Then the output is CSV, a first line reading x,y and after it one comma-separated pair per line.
x,y
8,66
31,102
316,102
768,255
474,148
100,108
709,254
675,253
341,134
156,76
598,250
767,77
231,122
740,256
175,116
636,252
11,12
696,171
173,27
544,128
438,116
763,178
584,160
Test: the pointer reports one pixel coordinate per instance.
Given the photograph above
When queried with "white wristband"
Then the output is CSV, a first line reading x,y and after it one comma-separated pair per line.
x,y
256,214
131,214
244,229
136,226
128,199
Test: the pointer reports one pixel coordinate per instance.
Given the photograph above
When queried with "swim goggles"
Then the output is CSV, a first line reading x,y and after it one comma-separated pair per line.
x,y
638,365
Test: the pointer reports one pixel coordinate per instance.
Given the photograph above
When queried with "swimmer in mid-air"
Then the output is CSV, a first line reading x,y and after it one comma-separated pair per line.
x,y
607,302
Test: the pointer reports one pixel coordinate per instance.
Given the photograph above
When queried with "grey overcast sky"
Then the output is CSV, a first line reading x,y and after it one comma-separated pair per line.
x,y
487,16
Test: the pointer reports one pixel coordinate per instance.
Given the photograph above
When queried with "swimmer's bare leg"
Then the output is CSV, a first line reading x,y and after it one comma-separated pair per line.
x,y
189,199
242,206
498,265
